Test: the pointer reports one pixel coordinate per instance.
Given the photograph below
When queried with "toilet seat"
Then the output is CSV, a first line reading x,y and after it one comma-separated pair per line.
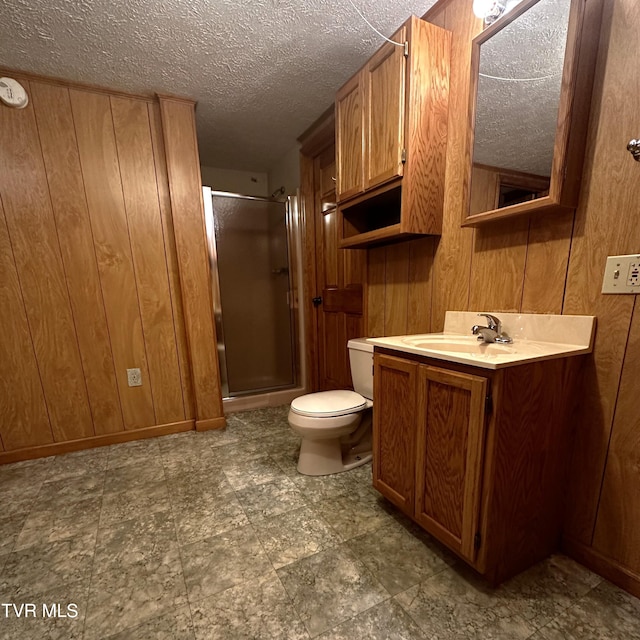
x,y
329,404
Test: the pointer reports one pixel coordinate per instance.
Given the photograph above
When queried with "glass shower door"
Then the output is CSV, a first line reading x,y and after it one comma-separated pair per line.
x,y
251,257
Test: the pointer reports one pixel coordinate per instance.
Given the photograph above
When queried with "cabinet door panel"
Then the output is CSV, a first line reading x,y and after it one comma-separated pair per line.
x,y
349,139
384,84
394,419
451,428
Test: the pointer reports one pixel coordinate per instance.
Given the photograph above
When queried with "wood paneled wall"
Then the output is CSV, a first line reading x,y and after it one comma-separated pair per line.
x,y
549,264
89,272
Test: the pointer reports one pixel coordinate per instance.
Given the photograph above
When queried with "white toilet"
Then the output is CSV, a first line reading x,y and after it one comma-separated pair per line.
x,y
335,426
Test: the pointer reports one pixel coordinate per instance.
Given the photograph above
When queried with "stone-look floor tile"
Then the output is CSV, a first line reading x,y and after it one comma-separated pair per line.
x,y
195,458
287,461
281,442
256,610
243,450
40,568
133,477
544,591
138,452
176,625
397,558
128,596
207,517
270,499
352,516
20,507
60,493
359,481
10,529
318,488
605,613
59,523
21,482
223,561
143,540
198,485
294,535
220,437
250,473
238,429
60,614
119,507
385,621
457,606
79,463
330,587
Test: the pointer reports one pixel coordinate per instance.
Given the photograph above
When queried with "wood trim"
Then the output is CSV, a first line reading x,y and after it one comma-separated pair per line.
x,y
57,448
72,84
309,285
539,206
374,237
320,134
211,423
169,97
573,109
436,10
185,187
613,571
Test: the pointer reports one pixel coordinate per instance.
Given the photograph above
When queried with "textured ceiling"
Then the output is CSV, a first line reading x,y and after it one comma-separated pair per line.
x,y
262,70
515,120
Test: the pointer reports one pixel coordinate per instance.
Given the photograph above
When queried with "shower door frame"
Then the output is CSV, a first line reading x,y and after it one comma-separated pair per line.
x,y
209,218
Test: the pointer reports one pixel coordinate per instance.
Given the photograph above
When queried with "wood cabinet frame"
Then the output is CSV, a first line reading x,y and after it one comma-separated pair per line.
x,y
573,111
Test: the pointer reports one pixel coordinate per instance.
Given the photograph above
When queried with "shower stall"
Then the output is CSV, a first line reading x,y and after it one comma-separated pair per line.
x,y
251,247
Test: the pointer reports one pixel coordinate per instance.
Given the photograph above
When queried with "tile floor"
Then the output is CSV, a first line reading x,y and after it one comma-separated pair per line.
x,y
215,535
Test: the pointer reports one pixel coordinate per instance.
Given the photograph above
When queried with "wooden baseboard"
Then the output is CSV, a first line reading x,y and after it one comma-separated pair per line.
x,y
56,448
613,571
211,423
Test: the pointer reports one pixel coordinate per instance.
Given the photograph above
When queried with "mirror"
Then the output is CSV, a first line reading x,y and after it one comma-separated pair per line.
x,y
525,81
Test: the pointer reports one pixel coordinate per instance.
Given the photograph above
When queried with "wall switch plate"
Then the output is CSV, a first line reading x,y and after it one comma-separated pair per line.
x,y
134,377
622,274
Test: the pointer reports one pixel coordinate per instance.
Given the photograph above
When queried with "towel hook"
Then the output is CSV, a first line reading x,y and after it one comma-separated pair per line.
x,y
634,149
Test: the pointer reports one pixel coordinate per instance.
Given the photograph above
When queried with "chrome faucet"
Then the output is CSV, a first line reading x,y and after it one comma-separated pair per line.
x,y
492,332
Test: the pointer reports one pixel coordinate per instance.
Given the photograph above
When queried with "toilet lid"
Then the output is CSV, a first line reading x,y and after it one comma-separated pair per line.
x,y
327,404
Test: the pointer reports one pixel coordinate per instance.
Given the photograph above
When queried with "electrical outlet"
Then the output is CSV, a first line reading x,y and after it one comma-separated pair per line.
x,y
134,377
622,274
633,277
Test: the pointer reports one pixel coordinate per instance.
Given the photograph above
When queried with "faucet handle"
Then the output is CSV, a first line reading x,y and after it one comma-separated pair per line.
x,y
492,322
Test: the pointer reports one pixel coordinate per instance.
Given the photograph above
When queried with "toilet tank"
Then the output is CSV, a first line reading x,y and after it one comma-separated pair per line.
x,y
361,361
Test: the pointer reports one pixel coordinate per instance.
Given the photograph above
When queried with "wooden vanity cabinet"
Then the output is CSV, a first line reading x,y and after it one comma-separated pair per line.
x,y
477,457
391,135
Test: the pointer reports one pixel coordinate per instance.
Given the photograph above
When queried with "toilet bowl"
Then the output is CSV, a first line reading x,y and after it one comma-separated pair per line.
x,y
335,426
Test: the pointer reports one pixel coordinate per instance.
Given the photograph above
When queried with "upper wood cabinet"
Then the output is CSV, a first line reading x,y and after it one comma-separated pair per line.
x,y
391,137
531,81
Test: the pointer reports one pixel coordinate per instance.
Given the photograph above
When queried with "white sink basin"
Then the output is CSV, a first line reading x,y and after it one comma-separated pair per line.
x,y
461,345
535,337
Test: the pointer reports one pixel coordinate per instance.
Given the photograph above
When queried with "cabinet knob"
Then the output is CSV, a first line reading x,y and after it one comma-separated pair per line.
x,y
634,149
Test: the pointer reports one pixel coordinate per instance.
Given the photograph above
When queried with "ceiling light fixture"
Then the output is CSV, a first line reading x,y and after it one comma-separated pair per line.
x,y
489,10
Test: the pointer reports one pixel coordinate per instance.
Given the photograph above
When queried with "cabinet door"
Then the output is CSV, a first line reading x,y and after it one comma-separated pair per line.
x,y
394,429
384,86
350,139
449,462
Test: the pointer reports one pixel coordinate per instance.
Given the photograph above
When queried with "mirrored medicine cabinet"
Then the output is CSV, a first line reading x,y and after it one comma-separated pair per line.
x,y
531,83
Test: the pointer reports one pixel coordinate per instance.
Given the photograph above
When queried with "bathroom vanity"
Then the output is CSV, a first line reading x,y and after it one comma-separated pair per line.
x,y
472,441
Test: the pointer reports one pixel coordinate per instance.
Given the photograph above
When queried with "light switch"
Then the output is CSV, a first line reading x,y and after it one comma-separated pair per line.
x,y
622,274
